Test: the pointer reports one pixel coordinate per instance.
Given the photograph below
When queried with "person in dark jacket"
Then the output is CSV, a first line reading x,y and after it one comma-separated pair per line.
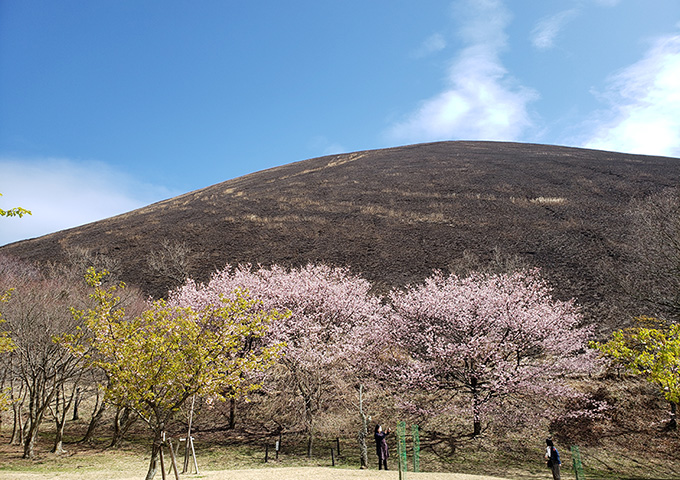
x,y
553,457
381,446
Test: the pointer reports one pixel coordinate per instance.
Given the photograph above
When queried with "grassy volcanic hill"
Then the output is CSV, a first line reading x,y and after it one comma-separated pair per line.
x,y
396,214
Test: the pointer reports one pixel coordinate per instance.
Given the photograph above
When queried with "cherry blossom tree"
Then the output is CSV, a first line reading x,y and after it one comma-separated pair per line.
x,y
489,338
332,323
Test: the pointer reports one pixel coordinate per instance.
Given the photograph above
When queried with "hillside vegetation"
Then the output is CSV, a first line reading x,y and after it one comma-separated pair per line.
x,y
395,215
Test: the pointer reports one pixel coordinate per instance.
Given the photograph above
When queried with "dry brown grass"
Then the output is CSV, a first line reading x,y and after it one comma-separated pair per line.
x,y
86,463
274,473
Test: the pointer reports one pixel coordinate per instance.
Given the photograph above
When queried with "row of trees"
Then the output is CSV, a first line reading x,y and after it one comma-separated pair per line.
x,y
149,356
485,342
479,346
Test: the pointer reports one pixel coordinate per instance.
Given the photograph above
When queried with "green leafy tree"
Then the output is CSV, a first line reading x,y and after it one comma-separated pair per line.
x,y
652,350
14,212
157,360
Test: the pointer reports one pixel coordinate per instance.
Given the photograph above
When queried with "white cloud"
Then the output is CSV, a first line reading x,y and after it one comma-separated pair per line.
x,y
546,30
644,100
322,146
62,194
480,101
482,22
432,44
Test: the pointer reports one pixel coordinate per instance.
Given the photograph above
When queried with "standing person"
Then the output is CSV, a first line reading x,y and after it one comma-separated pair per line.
x,y
553,458
381,446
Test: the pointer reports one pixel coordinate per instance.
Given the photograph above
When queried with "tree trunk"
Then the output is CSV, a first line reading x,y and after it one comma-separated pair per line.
x,y
477,428
59,413
5,374
36,411
155,455
121,424
308,402
16,424
363,432
310,427
58,447
310,431
232,413
29,440
76,404
310,443
97,414
17,437
673,422
477,417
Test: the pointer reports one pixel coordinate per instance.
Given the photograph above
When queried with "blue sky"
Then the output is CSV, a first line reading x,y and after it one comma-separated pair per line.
x,y
109,105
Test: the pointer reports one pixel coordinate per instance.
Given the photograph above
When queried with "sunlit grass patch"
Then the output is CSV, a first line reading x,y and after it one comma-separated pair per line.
x,y
538,200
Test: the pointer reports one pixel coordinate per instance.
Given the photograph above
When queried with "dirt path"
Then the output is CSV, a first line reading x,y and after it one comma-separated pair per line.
x,y
305,473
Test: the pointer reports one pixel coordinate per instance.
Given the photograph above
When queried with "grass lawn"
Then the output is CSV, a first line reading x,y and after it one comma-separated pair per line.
x,y
131,463
215,463
227,456
283,473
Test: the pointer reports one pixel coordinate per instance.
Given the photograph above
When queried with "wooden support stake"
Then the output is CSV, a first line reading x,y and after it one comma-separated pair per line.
x,y
266,453
173,459
161,456
186,452
193,453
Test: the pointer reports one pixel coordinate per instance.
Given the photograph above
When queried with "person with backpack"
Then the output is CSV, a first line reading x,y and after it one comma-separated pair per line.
x,y
553,458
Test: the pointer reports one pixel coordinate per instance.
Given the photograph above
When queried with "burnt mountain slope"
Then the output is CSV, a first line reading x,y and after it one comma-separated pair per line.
x,y
394,215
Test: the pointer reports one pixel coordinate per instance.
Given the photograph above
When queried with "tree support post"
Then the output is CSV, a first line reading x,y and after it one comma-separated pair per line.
x,y
161,456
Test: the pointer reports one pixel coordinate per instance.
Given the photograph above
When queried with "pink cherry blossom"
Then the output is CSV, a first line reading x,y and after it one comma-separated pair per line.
x,y
490,337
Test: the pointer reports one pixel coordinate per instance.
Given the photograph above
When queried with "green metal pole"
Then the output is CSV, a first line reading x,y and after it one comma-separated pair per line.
x,y
576,460
401,450
416,448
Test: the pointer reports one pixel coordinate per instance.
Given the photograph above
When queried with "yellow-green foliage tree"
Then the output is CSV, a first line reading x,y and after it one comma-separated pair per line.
x,y
6,345
14,212
5,342
652,350
159,359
